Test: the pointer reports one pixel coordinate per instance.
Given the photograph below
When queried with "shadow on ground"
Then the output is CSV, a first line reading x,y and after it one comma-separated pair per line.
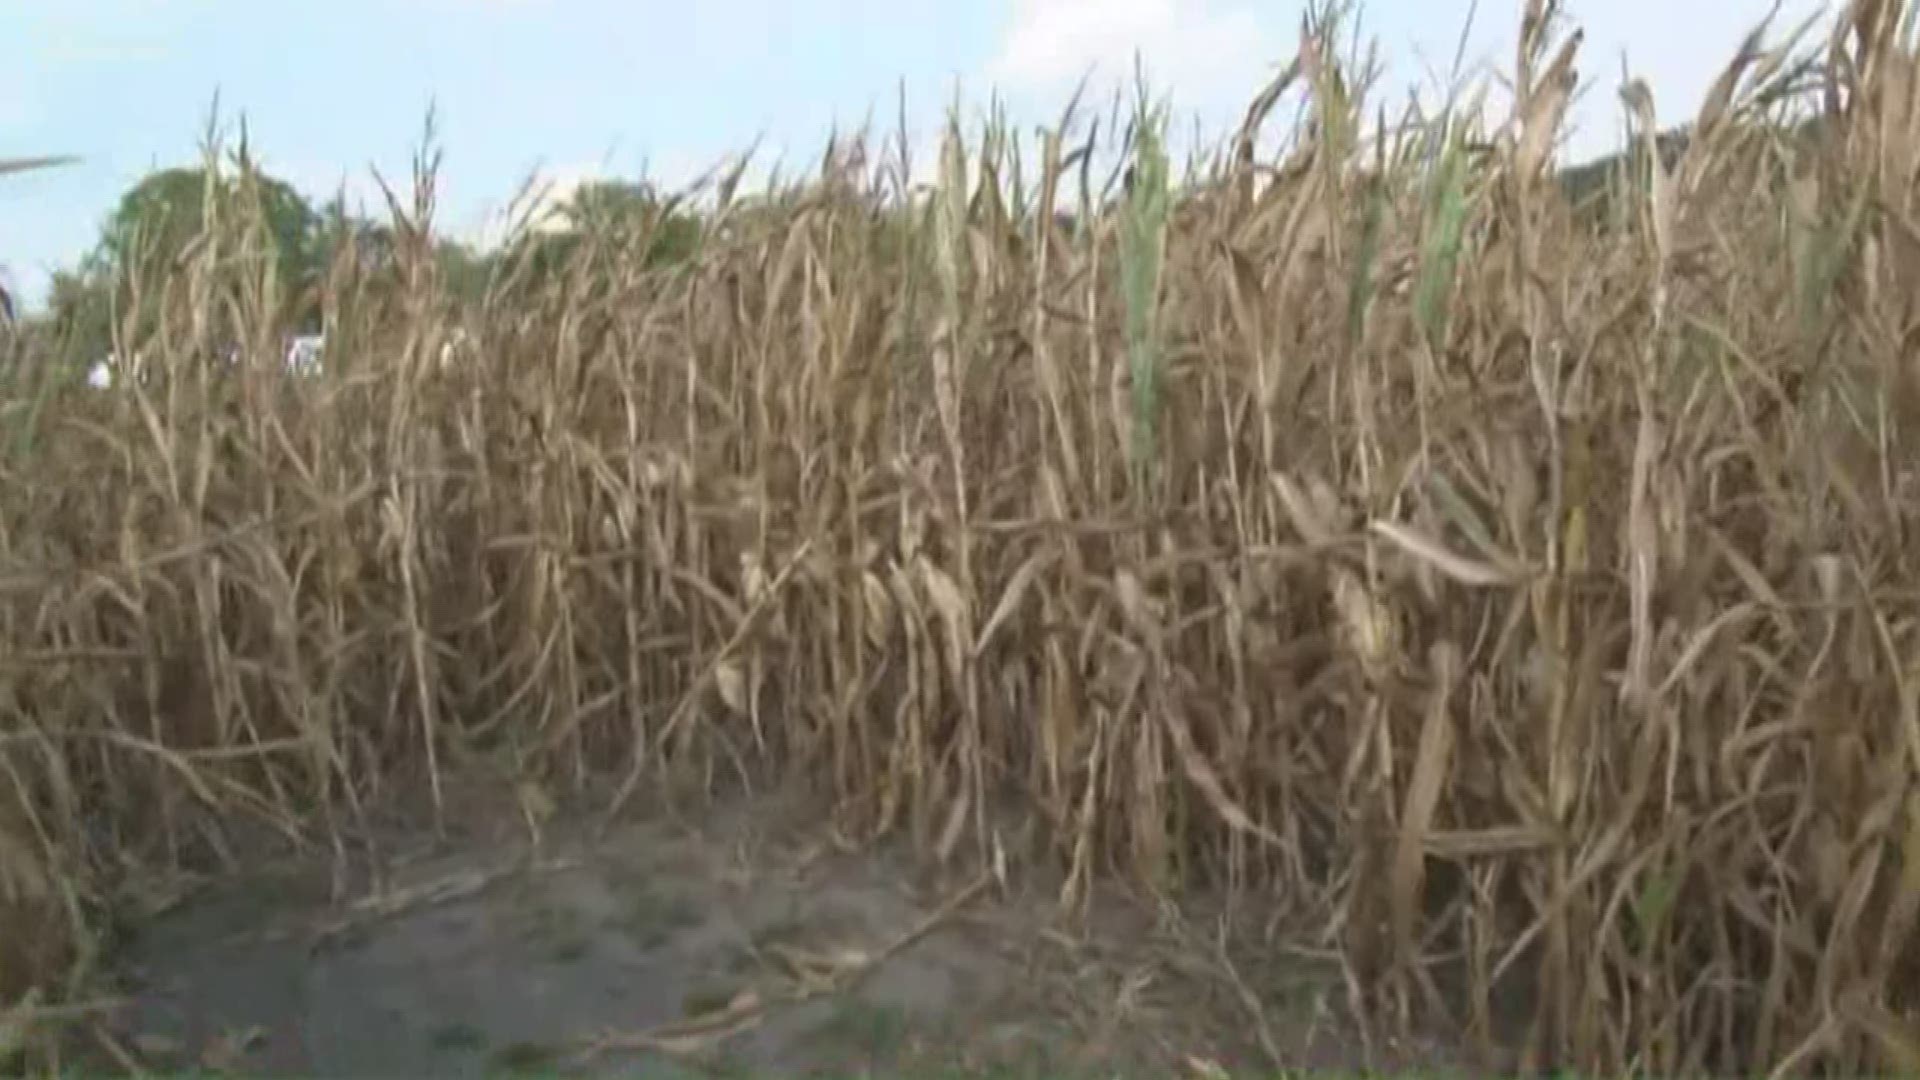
x,y
750,947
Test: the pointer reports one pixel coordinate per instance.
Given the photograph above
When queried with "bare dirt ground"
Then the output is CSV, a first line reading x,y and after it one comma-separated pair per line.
x,y
746,944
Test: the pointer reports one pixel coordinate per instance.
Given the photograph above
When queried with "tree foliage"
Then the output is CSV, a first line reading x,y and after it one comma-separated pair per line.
x,y
156,224
167,210
616,213
160,220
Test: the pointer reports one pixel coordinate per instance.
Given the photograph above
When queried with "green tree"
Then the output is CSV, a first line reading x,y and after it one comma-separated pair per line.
x,y
152,227
621,212
166,211
372,242
463,271
79,306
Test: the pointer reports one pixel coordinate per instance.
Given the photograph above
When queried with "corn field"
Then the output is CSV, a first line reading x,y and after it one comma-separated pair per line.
x,y
1515,593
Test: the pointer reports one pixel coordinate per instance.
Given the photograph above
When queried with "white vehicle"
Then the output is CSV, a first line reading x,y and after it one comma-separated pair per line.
x,y
303,357
111,371
305,352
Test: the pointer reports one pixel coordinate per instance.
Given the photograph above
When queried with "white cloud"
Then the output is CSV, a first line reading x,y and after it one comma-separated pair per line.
x,y
554,185
1207,55
555,188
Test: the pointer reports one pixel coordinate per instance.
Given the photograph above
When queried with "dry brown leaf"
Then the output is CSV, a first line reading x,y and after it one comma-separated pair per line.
x,y
1720,96
1458,567
955,826
879,604
1142,612
1697,644
955,615
1897,1038
1208,781
730,678
1309,520
1546,111
1432,763
1010,598
1205,1068
1367,625
1639,101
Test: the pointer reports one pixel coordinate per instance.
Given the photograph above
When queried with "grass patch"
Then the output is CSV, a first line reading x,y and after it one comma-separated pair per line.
x,y
652,916
705,1001
523,1059
871,1030
458,1037
558,930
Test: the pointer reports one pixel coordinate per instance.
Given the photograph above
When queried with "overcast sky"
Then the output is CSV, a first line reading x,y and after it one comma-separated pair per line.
x,y
579,88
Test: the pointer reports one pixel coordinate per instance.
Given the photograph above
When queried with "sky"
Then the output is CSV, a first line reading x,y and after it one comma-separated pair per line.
x,y
576,89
